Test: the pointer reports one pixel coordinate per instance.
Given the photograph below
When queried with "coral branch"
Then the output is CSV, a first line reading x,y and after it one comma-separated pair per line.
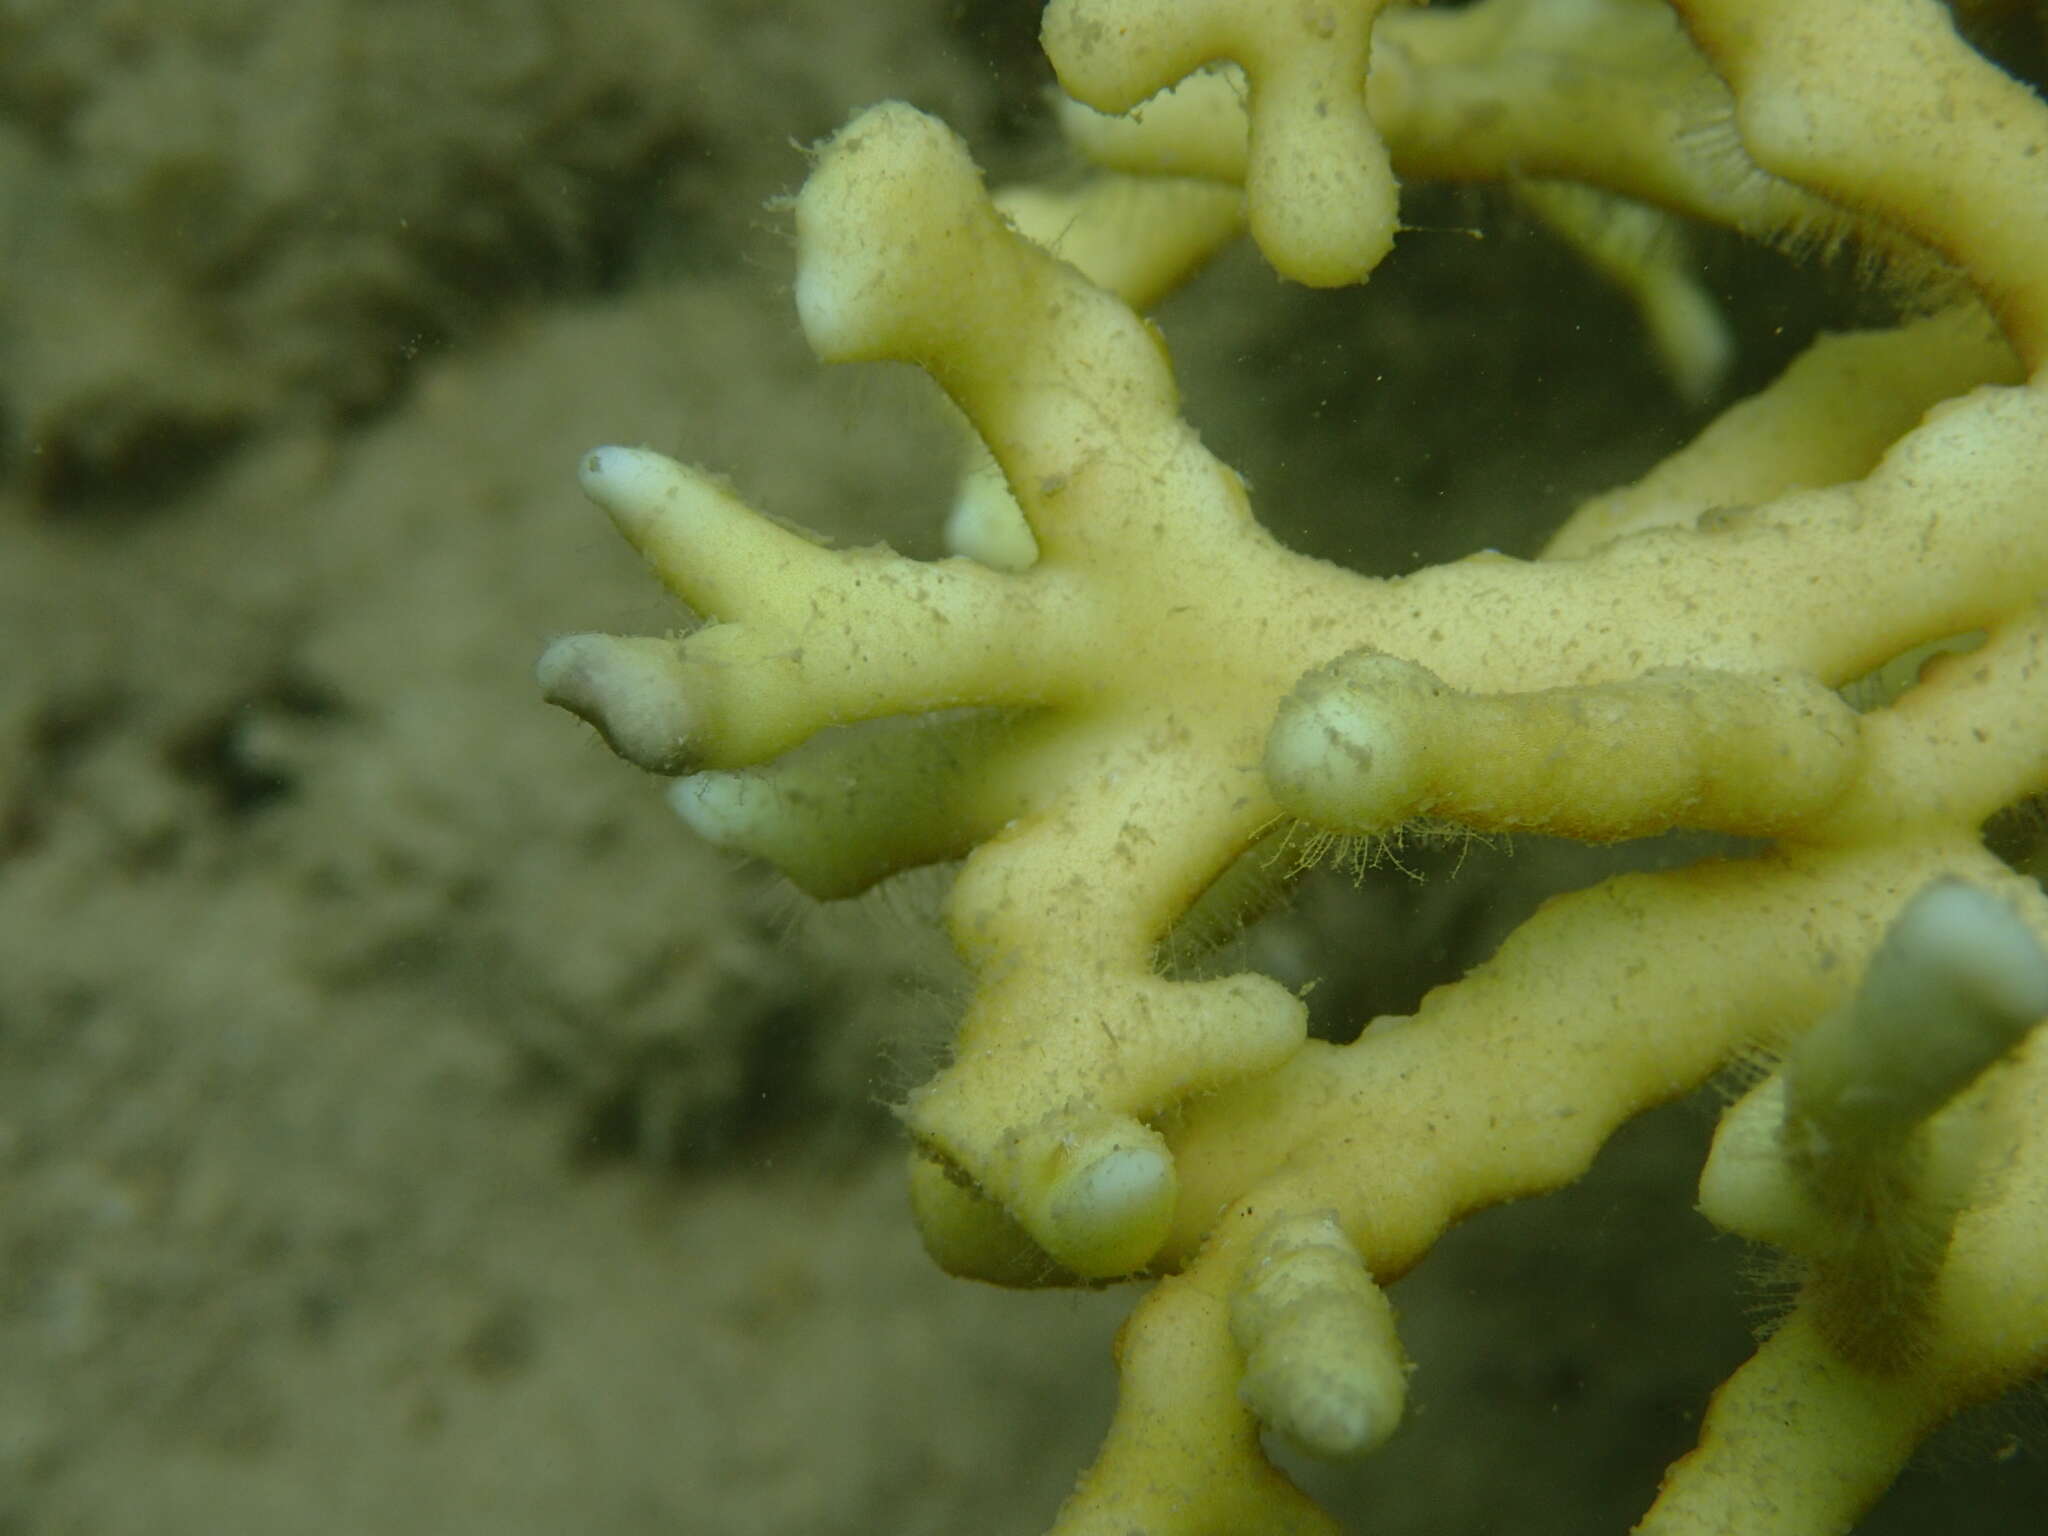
x,y
1130,692
1883,108
1320,189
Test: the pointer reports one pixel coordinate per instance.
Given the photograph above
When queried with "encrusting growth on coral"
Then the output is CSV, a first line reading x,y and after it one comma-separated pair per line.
x,y
1322,1363
1121,685
1850,1156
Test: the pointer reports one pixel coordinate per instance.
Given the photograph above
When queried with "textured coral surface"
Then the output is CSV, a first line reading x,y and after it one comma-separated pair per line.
x,y
387,1086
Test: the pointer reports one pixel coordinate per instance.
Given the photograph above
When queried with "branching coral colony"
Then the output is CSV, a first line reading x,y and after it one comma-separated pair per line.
x,y
1120,685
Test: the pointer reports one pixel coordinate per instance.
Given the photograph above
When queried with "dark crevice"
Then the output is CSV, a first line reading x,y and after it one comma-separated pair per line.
x,y
215,753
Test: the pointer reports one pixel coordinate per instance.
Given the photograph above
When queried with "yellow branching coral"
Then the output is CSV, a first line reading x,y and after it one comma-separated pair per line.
x,y
1133,684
